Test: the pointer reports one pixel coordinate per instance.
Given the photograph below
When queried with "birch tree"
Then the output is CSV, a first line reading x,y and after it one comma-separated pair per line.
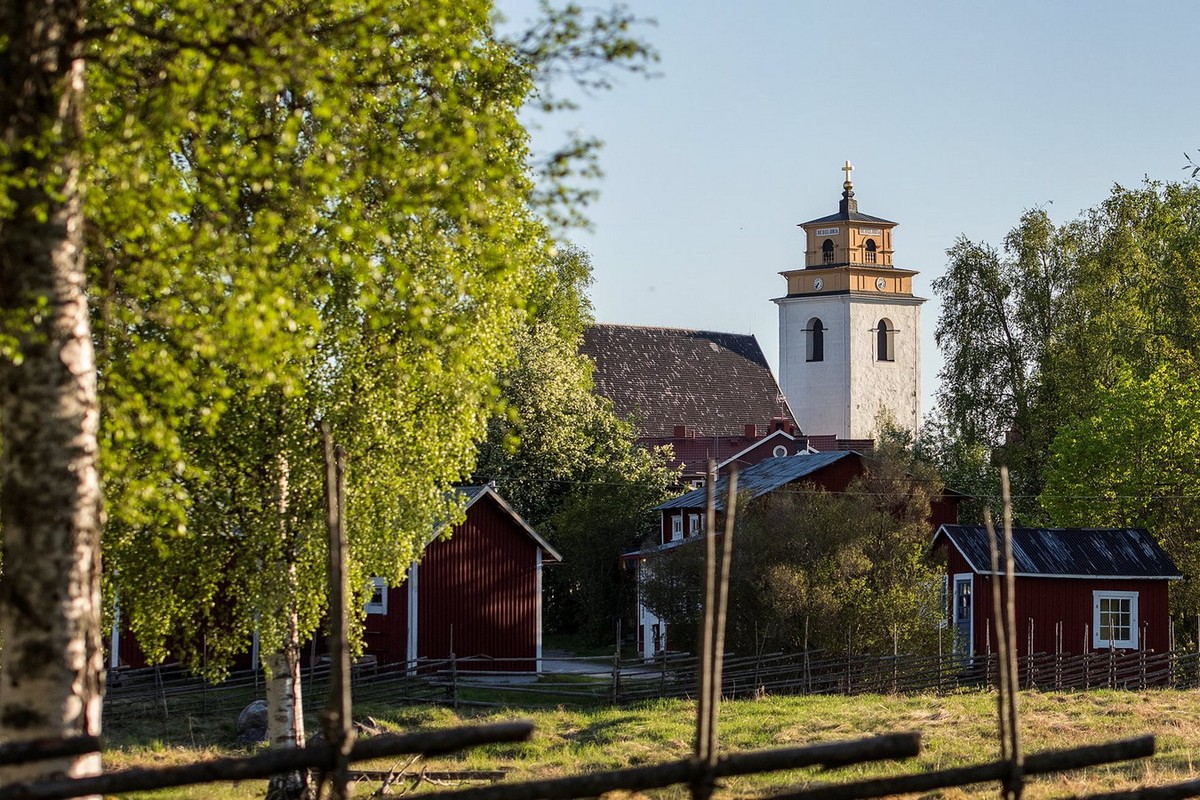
x,y
294,211
50,665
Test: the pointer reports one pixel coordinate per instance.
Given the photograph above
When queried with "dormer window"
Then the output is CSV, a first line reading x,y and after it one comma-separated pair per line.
x,y
827,251
869,251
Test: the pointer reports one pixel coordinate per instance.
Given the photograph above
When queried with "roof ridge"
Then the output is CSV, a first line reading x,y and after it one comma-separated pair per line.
x,y
667,328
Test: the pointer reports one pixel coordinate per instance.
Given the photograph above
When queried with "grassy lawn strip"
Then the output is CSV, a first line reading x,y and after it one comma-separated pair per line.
x,y
957,730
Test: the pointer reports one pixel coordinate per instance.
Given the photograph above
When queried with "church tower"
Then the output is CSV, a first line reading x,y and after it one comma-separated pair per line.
x,y
850,327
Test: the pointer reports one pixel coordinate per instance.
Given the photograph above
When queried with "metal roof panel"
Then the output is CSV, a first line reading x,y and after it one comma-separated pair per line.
x,y
1074,552
760,478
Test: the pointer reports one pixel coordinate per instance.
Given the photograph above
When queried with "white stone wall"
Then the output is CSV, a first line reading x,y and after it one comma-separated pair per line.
x,y
818,392
892,385
844,393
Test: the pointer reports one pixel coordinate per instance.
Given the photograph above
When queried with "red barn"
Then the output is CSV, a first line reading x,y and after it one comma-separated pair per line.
x,y
478,593
1096,588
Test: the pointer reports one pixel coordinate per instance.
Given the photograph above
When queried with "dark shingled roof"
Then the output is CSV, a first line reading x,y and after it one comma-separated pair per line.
x,y
1068,552
850,216
760,478
716,383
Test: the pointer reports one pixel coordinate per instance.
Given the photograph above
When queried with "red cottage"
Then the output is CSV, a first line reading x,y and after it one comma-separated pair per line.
x,y
478,593
1095,588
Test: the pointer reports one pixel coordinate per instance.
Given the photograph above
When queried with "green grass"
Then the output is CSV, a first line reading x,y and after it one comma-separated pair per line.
x,y
956,730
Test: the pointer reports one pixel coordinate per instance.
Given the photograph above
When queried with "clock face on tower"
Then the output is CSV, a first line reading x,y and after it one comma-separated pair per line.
x,y
817,284
880,283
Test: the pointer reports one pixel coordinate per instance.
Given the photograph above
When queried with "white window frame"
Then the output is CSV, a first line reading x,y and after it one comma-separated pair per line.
x,y
676,527
373,606
1130,643
695,527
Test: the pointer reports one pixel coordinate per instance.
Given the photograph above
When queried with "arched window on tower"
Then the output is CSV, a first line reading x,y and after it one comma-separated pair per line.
x,y
815,340
827,251
885,340
869,251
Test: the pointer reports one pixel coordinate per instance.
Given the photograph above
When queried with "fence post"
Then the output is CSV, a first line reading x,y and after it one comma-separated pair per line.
x,y
162,690
987,657
1029,665
1087,658
453,681
847,661
1112,665
1058,654
1142,662
616,676
807,663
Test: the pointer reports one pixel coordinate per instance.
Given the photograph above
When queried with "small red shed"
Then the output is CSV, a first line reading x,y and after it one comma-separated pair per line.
x,y
478,593
1088,588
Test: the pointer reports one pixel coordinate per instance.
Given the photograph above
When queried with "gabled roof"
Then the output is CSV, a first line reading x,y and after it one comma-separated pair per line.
x,y
763,477
474,494
1067,552
693,454
714,382
779,438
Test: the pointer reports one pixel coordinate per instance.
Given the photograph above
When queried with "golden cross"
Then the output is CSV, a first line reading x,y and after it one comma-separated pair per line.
x,y
848,168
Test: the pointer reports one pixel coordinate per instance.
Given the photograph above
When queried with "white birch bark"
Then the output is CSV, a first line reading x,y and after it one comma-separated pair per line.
x,y
285,703
51,664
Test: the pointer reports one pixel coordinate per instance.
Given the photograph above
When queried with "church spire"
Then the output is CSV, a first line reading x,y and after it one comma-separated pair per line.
x,y
848,205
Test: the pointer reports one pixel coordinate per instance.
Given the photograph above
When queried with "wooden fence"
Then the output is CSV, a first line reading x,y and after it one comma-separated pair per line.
x,y
708,678
167,691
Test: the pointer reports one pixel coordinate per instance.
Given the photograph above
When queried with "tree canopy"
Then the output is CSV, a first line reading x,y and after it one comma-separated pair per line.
x,y
821,569
293,213
569,465
1135,462
1035,334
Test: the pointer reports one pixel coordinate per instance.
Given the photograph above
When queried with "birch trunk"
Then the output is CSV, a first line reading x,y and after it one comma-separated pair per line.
x,y
285,703
285,714
51,664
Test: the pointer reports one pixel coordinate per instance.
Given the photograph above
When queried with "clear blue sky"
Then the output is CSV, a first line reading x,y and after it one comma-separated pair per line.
x,y
957,117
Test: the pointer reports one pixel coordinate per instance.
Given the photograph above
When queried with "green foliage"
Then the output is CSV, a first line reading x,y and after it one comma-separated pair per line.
x,y
820,569
298,214
1136,463
568,464
1035,335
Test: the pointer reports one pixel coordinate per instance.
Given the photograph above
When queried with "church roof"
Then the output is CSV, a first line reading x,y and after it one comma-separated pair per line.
x,y
850,216
848,209
716,383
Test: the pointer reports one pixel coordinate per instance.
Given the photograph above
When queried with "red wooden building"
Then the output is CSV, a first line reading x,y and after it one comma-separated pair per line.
x,y
1088,588
478,593
683,517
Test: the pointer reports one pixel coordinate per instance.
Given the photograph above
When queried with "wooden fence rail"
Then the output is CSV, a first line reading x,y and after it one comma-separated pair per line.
x,y
171,691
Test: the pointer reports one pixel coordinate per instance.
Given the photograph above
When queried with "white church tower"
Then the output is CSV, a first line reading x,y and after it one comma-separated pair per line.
x,y
850,327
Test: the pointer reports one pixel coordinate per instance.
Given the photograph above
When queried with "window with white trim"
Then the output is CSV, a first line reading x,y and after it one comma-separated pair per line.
x,y
377,601
1114,619
694,527
676,527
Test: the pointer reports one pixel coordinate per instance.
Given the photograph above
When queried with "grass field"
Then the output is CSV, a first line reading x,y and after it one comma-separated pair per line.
x,y
956,730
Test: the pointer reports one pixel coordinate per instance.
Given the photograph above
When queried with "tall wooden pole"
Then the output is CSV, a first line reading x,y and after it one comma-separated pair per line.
x,y
336,718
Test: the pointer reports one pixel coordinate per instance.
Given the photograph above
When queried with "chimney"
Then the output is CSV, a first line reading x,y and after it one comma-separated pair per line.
x,y
681,431
751,431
